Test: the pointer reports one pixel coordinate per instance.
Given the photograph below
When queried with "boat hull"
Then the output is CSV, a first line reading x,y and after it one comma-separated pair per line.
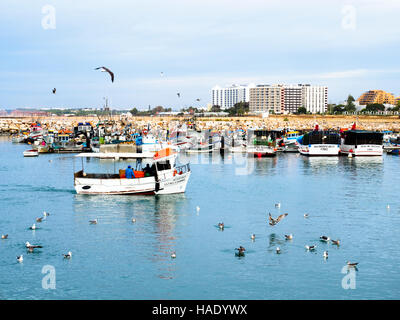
x,y
138,186
261,151
319,150
362,150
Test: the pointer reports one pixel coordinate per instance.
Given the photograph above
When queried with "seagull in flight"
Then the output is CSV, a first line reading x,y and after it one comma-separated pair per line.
x,y
45,214
288,236
104,69
93,221
273,221
39,219
178,94
336,242
324,238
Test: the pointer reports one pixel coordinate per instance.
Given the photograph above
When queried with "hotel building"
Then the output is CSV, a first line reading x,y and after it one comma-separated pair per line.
x,y
227,97
288,98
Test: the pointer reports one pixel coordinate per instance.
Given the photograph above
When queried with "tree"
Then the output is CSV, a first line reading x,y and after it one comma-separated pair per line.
x,y
302,110
215,108
374,107
134,111
350,107
339,109
238,109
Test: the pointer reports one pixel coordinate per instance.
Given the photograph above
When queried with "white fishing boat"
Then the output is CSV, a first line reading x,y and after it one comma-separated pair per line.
x,y
31,153
262,143
362,143
320,143
164,176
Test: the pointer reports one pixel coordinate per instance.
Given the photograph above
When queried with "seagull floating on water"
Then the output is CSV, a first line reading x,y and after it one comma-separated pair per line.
x,y
388,207
173,255
197,209
32,246
324,238
221,225
253,237
352,264
240,251
133,220
325,254
277,205
310,248
68,255
335,242
45,214
93,221
54,90
273,221
288,236
20,258
39,219
306,215
4,236
33,227
278,250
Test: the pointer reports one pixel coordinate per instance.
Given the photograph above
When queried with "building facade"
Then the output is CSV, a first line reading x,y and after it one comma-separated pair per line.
x,y
266,99
315,98
227,97
376,96
288,98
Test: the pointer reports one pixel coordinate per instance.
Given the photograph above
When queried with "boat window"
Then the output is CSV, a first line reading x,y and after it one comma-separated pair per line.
x,y
165,165
358,138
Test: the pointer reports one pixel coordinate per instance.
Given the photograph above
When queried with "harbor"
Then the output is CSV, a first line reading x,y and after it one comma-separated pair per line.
x,y
127,254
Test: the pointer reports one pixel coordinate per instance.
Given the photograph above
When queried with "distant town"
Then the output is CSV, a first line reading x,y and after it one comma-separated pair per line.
x,y
242,100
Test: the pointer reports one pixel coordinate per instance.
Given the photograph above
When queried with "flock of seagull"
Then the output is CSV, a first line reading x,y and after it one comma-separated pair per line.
x,y
238,251
105,69
31,247
274,221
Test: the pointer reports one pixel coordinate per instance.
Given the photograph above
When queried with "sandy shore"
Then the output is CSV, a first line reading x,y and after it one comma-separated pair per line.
x,y
12,125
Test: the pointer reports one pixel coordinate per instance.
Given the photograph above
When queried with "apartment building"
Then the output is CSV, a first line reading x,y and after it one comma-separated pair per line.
x,y
227,97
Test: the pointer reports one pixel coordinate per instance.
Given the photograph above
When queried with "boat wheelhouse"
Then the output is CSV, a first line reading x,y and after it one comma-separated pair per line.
x,y
162,177
262,143
362,143
320,143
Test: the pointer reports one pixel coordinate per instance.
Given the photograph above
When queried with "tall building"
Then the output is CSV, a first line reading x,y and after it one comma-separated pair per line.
x,y
376,96
292,97
227,97
266,98
288,98
315,98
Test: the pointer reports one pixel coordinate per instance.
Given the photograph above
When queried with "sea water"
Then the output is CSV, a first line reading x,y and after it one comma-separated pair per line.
x,y
345,198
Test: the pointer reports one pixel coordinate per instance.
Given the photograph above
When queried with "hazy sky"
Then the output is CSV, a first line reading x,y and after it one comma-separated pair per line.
x,y
350,46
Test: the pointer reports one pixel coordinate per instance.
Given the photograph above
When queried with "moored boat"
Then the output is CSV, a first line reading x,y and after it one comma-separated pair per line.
x,y
320,143
31,153
362,143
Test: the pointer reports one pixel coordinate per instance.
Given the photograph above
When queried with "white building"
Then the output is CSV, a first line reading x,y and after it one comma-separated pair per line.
x,y
315,98
227,97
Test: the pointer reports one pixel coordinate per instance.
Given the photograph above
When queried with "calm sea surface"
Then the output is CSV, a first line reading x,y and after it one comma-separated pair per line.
x,y
345,198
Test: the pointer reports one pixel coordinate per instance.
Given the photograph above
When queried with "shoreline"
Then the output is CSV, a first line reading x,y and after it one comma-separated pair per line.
x,y
11,125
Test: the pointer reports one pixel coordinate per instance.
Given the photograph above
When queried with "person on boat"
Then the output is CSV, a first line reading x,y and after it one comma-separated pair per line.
x,y
147,170
129,174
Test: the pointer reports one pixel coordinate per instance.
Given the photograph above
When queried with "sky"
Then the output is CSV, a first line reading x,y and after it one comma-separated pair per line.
x,y
349,46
